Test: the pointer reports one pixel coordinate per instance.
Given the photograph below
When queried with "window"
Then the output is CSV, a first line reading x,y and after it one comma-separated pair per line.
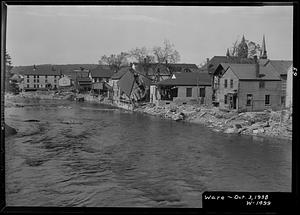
x,y
38,76
267,99
249,99
27,80
261,84
202,92
188,92
34,80
231,83
225,99
34,76
27,85
38,80
46,76
37,86
27,76
34,86
225,83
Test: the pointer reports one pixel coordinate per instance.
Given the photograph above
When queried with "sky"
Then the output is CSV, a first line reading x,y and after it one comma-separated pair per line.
x,y
82,34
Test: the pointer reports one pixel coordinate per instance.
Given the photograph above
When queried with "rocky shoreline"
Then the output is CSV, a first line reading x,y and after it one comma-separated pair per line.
x,y
267,123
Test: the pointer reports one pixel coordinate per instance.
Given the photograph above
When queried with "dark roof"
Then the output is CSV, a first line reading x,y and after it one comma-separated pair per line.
x,y
102,71
164,69
39,70
247,72
214,62
120,73
188,79
182,67
84,79
64,69
281,66
126,82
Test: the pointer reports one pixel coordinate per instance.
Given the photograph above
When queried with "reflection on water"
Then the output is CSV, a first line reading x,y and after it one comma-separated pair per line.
x,y
79,154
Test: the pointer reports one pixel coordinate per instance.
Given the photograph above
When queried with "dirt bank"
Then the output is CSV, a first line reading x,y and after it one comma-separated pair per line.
x,y
267,123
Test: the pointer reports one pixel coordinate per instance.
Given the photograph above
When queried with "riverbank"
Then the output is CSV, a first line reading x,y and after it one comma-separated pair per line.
x,y
268,123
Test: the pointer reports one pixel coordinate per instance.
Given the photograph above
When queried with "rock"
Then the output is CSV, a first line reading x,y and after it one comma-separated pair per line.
x,y
178,117
9,130
238,126
230,131
259,130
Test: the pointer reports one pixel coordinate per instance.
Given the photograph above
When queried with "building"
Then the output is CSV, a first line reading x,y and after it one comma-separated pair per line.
x,y
130,87
182,88
282,67
101,80
289,88
162,71
102,73
83,84
40,77
115,79
247,87
65,82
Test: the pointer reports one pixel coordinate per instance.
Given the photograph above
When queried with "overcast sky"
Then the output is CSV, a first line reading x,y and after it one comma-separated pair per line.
x,y
80,34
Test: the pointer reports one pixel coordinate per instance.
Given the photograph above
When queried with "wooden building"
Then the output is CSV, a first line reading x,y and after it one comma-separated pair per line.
x,y
182,88
247,87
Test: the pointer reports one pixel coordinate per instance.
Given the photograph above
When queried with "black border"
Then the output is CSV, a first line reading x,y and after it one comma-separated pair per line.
x,y
136,210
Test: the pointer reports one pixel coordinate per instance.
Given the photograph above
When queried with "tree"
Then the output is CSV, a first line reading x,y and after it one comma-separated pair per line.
x,y
9,86
234,49
253,49
115,61
166,53
140,54
242,50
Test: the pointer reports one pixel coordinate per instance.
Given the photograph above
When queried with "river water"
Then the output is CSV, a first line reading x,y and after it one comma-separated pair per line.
x,y
80,154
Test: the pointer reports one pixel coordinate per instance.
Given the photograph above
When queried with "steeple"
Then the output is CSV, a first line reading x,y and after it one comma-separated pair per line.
x,y
227,53
263,52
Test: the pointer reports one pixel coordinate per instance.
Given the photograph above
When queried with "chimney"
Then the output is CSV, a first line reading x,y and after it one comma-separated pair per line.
x,y
207,61
256,66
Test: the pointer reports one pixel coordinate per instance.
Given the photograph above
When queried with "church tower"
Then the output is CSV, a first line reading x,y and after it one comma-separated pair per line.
x,y
263,52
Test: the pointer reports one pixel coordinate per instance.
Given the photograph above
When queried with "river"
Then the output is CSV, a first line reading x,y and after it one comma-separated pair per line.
x,y
81,154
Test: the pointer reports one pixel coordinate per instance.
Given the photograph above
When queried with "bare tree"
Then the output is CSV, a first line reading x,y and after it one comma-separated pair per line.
x,y
234,49
140,54
166,53
115,61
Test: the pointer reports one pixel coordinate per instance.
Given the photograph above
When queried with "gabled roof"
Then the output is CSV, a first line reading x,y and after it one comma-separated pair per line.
x,y
214,62
188,79
102,71
281,66
120,73
247,72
